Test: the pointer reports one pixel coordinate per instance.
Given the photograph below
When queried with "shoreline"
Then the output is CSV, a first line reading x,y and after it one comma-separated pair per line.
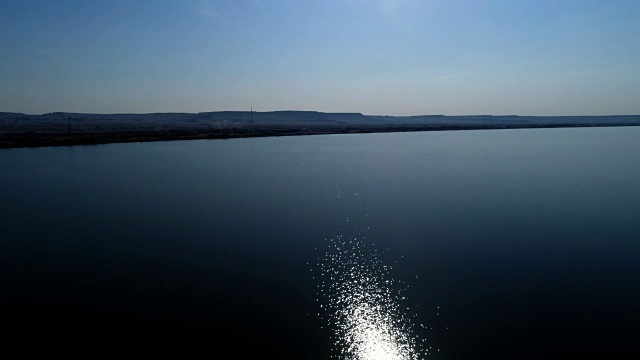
x,y
31,139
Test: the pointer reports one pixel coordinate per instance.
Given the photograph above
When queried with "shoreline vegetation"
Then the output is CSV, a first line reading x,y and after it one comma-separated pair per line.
x,y
67,129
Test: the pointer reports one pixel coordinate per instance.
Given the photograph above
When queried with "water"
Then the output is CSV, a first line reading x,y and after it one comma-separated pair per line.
x,y
496,244
362,304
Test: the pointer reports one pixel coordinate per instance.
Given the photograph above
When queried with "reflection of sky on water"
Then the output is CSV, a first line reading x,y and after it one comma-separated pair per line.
x,y
362,305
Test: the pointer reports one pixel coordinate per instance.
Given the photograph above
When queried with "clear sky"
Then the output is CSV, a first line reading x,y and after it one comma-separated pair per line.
x,y
394,57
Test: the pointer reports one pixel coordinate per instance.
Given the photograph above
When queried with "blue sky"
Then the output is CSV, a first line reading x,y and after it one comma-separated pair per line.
x,y
394,57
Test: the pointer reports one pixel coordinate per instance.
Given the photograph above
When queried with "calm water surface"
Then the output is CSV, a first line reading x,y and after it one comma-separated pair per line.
x,y
509,244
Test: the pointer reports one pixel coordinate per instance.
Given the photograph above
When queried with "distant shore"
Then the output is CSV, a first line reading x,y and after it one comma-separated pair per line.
x,y
67,129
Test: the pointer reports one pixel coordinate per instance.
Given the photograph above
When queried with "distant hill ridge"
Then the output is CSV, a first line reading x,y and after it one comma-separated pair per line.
x,y
289,119
301,117
62,128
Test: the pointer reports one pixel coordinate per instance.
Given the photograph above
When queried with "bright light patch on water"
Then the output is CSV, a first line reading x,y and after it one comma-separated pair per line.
x,y
362,305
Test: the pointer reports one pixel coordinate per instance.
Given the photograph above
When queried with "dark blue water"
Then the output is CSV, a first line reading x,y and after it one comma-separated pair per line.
x,y
511,243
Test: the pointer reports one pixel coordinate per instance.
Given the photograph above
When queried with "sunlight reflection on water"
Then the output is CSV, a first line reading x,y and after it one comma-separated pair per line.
x,y
362,305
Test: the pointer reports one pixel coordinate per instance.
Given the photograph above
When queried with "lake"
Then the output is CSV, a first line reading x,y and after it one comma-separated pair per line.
x,y
500,244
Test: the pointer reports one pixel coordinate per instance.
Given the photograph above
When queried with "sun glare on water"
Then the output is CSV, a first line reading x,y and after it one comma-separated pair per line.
x,y
362,305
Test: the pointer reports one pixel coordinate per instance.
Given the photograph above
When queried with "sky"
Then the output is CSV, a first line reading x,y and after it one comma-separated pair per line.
x,y
377,57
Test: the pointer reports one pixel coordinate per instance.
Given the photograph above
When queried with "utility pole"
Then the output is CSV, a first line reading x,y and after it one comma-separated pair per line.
x,y
251,118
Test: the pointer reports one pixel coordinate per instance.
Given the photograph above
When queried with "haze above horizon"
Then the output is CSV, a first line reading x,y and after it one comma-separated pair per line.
x,y
386,57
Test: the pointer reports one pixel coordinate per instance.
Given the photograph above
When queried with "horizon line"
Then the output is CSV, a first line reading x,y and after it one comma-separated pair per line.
x,y
305,111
